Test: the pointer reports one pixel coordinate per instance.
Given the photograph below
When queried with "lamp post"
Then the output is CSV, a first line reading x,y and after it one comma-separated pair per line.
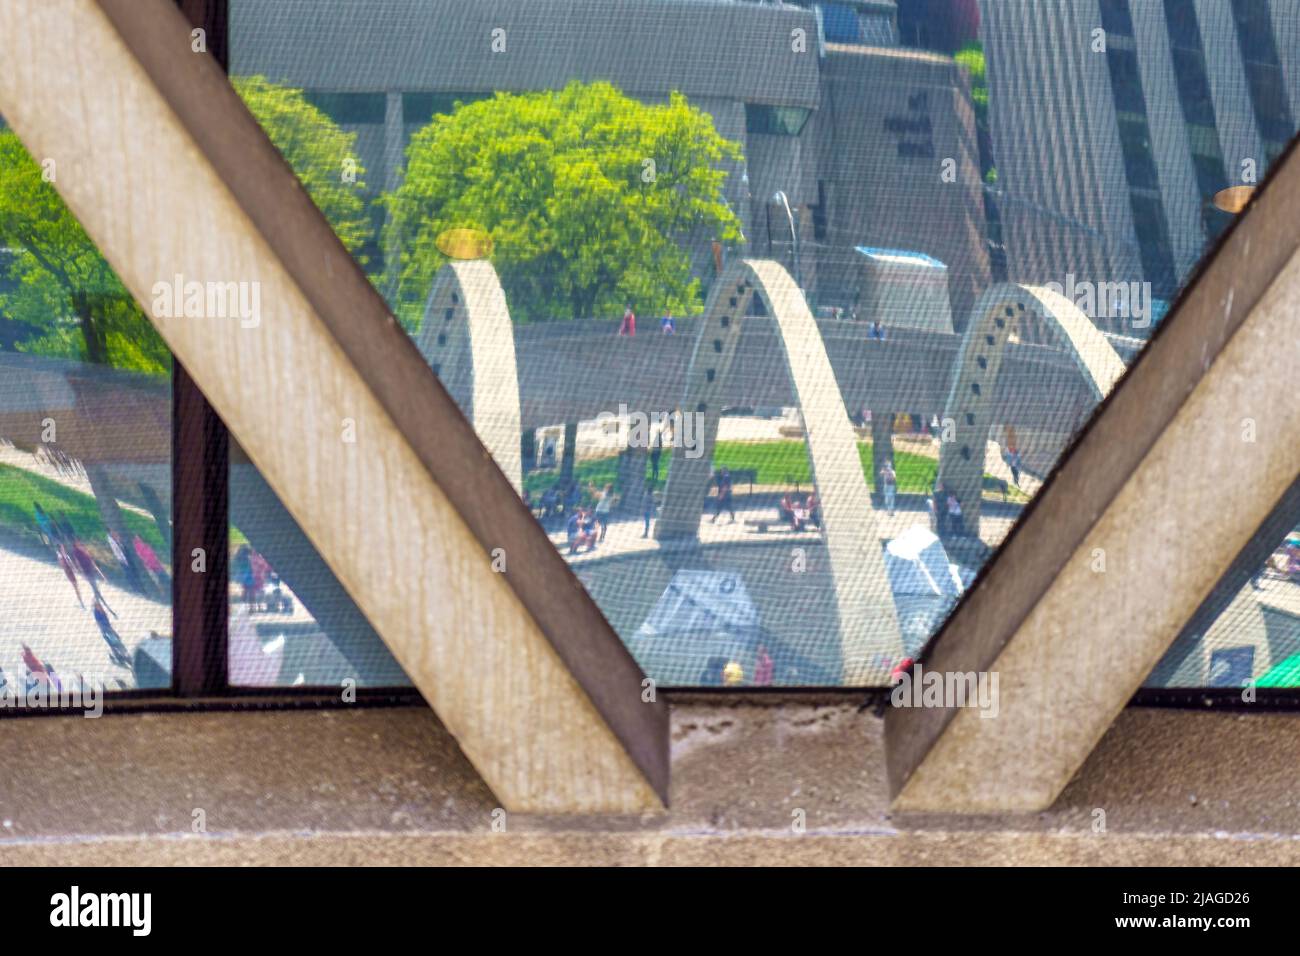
x,y
780,196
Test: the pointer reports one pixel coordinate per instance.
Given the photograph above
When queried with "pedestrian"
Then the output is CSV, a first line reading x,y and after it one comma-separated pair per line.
x,y
628,325
241,571
889,485
1013,462
572,529
648,508
604,502
116,648
69,571
724,496
939,508
116,547
764,668
668,325
44,525
656,453
954,516
90,570
148,557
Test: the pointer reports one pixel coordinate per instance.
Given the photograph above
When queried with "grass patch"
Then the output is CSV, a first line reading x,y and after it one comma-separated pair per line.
x,y
779,463
20,488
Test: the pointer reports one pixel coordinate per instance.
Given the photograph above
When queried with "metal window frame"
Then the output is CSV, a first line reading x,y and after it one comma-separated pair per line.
x,y
209,515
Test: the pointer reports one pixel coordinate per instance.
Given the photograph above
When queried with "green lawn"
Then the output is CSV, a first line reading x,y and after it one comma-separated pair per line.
x,y
779,463
20,488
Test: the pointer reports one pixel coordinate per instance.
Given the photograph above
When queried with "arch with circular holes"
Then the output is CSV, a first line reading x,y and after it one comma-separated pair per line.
x,y
469,341
968,414
871,643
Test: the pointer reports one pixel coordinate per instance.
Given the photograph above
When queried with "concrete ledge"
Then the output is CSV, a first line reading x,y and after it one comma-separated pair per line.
x,y
385,786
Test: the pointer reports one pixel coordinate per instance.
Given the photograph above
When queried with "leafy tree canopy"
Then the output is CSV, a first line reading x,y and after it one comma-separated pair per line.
x,y
321,154
60,292
587,194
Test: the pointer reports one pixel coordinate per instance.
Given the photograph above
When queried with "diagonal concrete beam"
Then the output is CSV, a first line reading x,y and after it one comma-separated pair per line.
x,y
1186,458
169,174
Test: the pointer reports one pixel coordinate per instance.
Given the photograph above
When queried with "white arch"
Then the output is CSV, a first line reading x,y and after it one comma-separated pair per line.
x,y
999,311
869,632
469,341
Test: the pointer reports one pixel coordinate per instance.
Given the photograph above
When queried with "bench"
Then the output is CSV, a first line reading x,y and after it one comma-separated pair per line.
x,y
759,523
748,475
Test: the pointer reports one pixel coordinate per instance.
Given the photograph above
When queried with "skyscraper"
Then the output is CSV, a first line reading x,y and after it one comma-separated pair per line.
x,y
1116,122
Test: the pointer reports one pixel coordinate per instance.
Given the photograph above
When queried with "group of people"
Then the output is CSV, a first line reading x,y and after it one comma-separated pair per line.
x,y
587,525
799,513
76,561
251,571
627,327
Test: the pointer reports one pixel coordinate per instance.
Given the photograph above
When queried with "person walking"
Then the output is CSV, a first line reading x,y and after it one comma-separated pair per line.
x,y
149,558
69,571
889,485
764,668
116,648
1013,462
668,325
939,508
724,497
656,452
954,516
648,508
90,571
628,325
44,525
604,502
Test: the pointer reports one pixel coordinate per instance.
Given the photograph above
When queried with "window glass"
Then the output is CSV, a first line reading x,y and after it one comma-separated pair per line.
x,y
291,622
85,456
806,300
1250,635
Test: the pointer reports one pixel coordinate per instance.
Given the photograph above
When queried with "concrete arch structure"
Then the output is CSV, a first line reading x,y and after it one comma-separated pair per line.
x,y
469,341
869,630
1003,309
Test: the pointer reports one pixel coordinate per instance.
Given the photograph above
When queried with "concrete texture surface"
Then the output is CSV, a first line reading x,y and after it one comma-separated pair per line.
x,y
389,786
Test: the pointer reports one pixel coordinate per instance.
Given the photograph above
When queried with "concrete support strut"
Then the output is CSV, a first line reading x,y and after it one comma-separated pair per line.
x,y
1000,311
869,631
469,341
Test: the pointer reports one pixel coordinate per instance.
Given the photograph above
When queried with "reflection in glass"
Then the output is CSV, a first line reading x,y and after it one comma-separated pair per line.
x,y
1254,640
791,308
291,623
85,455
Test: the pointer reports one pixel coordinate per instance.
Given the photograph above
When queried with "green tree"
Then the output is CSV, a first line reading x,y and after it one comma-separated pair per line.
x,y
321,154
59,283
588,196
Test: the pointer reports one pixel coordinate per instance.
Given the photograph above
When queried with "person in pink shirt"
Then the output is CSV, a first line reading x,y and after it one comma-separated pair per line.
x,y
764,668
628,325
150,560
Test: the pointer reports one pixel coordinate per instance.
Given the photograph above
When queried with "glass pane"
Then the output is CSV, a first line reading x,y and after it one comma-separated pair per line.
x,y
291,622
1254,640
806,300
85,456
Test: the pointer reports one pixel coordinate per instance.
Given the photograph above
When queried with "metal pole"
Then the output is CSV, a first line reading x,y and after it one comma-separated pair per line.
x,y
780,196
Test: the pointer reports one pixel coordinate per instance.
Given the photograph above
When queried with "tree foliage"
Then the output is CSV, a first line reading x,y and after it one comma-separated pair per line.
x,y
588,196
321,154
62,292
